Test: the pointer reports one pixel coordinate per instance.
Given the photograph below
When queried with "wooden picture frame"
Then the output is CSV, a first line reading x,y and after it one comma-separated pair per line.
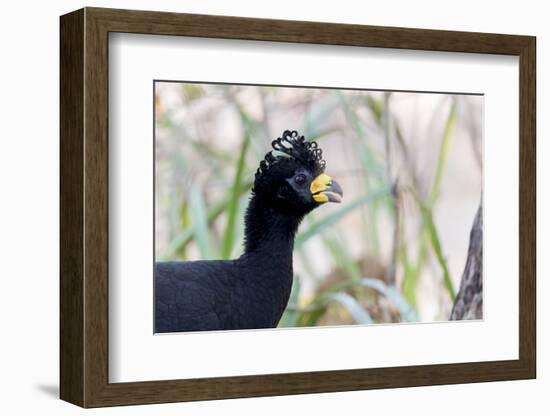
x,y
84,207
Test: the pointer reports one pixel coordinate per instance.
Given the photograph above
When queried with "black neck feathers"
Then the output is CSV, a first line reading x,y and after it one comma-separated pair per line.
x,y
269,231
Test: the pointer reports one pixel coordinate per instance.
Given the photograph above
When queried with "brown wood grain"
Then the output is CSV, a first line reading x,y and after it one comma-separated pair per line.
x,y
527,208
71,208
84,206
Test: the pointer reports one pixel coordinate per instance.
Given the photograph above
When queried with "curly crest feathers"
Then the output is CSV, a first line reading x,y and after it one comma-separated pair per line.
x,y
295,147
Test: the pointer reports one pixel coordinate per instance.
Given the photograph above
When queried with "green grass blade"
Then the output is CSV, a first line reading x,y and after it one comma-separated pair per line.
x,y
429,230
359,314
310,316
332,219
443,153
412,272
376,106
316,308
375,178
436,245
178,244
406,311
233,206
185,236
200,222
239,232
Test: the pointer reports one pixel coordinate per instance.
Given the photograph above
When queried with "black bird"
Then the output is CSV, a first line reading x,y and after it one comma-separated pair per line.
x,y
252,291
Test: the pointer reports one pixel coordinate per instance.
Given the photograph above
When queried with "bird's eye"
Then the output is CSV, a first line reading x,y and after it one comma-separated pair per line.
x,y
300,179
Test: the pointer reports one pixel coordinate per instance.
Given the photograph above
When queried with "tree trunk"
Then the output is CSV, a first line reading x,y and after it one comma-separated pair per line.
x,y
469,300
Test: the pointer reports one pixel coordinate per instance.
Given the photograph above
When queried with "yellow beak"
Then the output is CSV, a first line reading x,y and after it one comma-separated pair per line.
x,y
325,189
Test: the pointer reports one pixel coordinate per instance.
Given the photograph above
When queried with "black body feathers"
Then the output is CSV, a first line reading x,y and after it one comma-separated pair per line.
x,y
253,290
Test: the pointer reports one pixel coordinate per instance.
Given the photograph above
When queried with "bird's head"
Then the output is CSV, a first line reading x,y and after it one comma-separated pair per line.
x,y
292,177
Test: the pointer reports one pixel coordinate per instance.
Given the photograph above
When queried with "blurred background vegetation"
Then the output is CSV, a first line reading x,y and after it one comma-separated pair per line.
x,y
409,164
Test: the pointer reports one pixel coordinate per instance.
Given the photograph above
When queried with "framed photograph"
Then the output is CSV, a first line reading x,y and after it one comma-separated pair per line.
x,y
255,207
